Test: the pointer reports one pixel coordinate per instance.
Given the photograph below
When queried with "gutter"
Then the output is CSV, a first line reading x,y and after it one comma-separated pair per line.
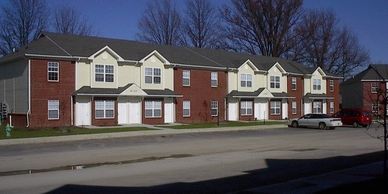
x,y
29,93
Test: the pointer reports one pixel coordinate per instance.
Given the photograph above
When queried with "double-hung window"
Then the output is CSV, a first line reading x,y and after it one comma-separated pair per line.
x,y
274,82
214,79
375,107
246,108
317,107
152,75
104,109
331,85
53,71
153,108
293,107
316,84
104,73
331,107
293,83
186,78
275,107
186,108
374,87
53,109
214,108
246,80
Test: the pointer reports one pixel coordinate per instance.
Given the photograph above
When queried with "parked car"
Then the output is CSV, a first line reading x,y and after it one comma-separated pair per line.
x,y
354,117
322,121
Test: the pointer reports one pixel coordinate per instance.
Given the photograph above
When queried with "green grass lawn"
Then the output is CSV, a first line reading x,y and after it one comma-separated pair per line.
x,y
222,124
28,133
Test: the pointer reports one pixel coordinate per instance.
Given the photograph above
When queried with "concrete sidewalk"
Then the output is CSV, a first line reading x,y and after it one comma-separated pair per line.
x,y
325,181
160,131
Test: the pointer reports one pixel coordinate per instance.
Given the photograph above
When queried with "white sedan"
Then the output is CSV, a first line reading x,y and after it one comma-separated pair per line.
x,y
322,121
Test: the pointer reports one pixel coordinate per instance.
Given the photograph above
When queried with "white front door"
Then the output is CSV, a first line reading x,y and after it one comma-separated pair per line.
x,y
232,110
83,111
123,111
135,111
169,110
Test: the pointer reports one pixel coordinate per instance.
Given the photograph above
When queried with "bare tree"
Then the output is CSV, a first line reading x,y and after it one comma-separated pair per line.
x,y
201,24
262,26
21,21
323,43
68,21
161,23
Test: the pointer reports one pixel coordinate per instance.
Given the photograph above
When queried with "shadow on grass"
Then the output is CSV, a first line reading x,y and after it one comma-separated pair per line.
x,y
278,170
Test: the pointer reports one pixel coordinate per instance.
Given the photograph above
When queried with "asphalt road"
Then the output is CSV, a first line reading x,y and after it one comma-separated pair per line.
x,y
187,163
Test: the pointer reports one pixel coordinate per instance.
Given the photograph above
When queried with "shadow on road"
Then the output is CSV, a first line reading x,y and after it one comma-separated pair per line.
x,y
278,170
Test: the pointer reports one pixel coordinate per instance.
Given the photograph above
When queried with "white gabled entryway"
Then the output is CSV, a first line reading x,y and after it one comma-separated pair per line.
x,y
83,110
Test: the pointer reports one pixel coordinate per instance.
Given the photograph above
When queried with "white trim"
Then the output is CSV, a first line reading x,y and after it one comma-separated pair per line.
x,y
188,78
246,108
106,48
48,71
104,109
164,95
373,80
296,81
48,109
152,108
29,93
200,66
249,62
54,56
157,54
183,108
275,107
211,79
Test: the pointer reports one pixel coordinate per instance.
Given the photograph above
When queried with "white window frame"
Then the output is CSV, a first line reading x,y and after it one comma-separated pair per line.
x,y
246,80
246,105
274,81
104,73
186,76
105,108
293,83
153,75
214,106
214,79
317,84
293,108
186,105
331,106
375,105
153,108
52,105
331,85
374,87
52,71
275,107
317,109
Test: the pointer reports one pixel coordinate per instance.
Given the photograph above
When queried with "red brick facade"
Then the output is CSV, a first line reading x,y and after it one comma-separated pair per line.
x,y
297,93
200,93
42,90
370,98
104,121
333,93
156,120
18,120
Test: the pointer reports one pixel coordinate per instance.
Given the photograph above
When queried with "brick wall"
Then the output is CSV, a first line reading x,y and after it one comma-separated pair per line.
x,y
42,90
369,98
200,93
335,94
298,94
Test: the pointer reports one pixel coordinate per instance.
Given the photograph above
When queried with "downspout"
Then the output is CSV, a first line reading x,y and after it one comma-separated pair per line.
x,y
29,93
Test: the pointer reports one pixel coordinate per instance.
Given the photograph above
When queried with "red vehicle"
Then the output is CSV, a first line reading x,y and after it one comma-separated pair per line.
x,y
354,117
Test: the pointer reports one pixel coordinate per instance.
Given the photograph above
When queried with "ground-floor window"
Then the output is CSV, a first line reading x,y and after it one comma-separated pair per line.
x,y
275,107
246,108
317,107
153,108
293,107
375,107
186,108
104,109
53,109
214,108
331,107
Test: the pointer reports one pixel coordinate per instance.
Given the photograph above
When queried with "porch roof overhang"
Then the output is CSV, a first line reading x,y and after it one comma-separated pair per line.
x,y
128,90
317,96
281,95
162,93
260,93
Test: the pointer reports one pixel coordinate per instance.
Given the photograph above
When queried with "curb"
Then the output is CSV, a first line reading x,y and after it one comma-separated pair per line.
x,y
166,131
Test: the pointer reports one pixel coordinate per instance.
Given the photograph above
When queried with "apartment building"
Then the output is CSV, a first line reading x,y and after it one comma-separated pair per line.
x,y
65,80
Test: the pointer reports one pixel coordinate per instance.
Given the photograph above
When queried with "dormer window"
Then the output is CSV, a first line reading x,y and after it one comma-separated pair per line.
x,y
274,82
246,80
316,84
104,73
152,75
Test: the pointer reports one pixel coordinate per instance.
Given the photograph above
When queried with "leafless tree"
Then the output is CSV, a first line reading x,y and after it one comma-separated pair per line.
x,y
68,21
323,43
262,26
201,24
161,23
21,21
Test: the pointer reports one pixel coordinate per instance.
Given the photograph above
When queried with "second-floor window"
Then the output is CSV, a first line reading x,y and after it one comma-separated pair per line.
x,y
104,73
274,82
186,78
214,79
53,71
316,84
246,80
152,75
374,87
331,85
293,83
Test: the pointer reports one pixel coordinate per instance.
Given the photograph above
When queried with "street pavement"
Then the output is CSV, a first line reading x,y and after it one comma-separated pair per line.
x,y
214,162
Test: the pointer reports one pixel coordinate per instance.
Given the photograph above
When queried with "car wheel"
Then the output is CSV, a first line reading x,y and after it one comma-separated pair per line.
x,y
322,126
294,124
355,125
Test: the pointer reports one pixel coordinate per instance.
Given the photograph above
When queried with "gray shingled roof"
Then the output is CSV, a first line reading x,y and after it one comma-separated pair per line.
x,y
373,72
317,96
281,95
165,92
105,91
245,94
